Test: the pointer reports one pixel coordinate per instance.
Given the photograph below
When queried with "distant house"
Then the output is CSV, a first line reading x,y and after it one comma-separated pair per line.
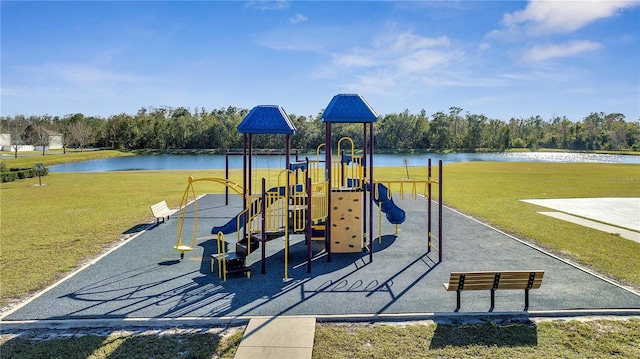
x,y
5,141
54,139
5,144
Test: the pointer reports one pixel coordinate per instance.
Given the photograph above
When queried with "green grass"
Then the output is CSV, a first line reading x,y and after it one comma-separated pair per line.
x,y
492,192
572,339
75,216
56,157
556,339
122,345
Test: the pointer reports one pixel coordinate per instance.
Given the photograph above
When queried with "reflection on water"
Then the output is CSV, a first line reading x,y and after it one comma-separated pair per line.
x,y
205,161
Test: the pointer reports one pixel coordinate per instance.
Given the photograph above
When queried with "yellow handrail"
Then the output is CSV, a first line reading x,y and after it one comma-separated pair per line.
x,y
222,253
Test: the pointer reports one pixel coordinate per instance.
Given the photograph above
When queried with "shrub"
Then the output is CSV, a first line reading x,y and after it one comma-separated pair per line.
x,y
21,173
9,176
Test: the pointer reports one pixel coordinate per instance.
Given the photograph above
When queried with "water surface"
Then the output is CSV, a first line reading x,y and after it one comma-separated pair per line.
x,y
207,161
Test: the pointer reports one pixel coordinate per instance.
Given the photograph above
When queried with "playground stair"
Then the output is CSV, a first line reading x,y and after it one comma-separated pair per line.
x,y
247,245
236,264
236,261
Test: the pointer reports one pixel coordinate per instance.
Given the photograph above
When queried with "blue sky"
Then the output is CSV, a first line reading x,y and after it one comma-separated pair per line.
x,y
502,59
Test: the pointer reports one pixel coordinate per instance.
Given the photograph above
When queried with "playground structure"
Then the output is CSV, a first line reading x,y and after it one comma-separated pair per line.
x,y
329,198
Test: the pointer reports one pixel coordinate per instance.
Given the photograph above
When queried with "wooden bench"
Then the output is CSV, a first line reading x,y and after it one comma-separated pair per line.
x,y
495,280
161,211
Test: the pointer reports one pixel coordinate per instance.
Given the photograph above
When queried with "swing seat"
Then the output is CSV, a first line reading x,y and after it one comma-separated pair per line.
x,y
182,248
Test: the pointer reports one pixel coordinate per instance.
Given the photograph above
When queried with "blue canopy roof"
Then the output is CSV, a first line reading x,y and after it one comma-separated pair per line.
x,y
349,108
269,119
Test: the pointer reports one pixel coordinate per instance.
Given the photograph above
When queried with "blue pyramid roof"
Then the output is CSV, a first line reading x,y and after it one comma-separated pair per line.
x,y
349,108
269,119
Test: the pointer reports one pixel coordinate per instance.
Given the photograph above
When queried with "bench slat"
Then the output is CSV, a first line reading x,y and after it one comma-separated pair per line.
x,y
161,211
494,280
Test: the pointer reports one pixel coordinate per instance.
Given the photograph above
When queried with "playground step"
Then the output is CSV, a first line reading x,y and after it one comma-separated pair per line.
x,y
234,261
318,232
275,234
236,264
243,249
278,338
239,270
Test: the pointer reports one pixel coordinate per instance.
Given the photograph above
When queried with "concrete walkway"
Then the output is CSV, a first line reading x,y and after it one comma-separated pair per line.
x,y
278,338
618,216
619,212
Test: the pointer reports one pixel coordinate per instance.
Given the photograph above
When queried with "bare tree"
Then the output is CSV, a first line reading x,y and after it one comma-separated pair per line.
x,y
81,133
16,128
37,135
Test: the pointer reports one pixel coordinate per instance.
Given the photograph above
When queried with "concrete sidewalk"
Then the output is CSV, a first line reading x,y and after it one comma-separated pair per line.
x,y
618,212
278,338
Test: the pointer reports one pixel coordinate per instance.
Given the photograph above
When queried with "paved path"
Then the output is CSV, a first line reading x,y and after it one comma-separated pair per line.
x,y
619,212
278,338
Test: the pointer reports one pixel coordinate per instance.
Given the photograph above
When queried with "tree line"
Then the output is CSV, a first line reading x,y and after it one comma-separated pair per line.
x,y
181,128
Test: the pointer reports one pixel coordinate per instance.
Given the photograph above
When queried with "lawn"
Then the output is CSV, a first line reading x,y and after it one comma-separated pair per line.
x,y
56,157
549,339
492,192
74,217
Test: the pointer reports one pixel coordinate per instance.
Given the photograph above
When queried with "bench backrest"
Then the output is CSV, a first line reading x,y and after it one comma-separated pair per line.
x,y
159,208
527,279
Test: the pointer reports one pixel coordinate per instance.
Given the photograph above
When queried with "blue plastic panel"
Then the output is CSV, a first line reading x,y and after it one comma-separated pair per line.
x,y
269,119
349,108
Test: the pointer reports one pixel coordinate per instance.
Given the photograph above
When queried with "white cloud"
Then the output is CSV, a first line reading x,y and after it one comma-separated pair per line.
x,y
393,63
268,4
297,18
412,42
401,53
484,46
289,41
84,74
545,17
353,60
544,52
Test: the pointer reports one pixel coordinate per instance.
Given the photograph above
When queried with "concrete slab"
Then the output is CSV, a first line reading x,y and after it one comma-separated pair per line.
x,y
277,338
624,233
620,212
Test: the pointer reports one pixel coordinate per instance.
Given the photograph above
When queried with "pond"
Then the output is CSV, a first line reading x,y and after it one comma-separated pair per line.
x,y
206,161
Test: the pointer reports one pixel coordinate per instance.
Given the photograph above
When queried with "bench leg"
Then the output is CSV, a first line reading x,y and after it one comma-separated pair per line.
x,y
457,300
493,300
526,300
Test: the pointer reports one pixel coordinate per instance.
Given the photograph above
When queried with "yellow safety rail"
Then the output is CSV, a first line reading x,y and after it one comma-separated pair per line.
x,y
431,245
221,258
319,201
316,167
222,252
401,185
